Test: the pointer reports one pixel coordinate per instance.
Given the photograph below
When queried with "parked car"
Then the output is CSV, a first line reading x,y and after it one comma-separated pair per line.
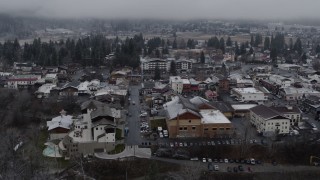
x,y
204,160
240,167
252,161
209,160
229,169
226,160
216,167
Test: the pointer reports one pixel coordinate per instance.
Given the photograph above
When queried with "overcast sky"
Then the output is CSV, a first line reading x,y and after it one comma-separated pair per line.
x,y
164,9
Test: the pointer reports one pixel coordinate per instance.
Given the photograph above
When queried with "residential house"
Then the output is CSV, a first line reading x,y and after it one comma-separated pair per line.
x,y
283,82
268,121
45,90
311,104
223,107
211,95
51,78
224,85
94,132
60,126
69,89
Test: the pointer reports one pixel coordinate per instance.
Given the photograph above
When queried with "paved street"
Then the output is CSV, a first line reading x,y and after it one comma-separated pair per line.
x,y
133,121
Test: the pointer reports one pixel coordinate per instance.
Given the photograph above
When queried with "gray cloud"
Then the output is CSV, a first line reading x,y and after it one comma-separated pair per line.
x,y
164,9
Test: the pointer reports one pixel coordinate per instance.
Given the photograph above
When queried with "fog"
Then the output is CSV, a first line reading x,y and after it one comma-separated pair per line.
x,y
163,9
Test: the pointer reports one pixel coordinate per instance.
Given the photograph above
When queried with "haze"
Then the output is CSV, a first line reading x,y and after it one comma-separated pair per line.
x,y
163,9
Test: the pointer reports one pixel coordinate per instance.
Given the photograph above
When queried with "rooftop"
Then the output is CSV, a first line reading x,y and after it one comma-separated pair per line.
x,y
213,116
247,90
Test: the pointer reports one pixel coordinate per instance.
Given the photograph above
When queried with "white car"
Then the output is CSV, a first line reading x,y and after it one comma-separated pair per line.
x,y
209,160
216,167
143,114
226,161
204,160
252,161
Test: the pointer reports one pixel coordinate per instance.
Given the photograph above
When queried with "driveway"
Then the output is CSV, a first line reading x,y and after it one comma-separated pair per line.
x,y
129,151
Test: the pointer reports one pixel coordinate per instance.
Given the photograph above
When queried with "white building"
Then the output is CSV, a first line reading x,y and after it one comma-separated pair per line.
x,y
149,65
51,78
269,122
44,90
22,81
59,126
94,132
176,84
183,65
292,93
249,94
281,81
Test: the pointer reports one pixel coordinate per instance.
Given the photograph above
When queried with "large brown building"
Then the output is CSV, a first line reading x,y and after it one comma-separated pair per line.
x,y
195,118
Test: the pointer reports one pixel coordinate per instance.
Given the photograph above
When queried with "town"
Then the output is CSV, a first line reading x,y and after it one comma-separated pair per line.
x,y
235,98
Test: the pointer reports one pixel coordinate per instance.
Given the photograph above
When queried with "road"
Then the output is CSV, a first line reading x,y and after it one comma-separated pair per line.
x,y
133,121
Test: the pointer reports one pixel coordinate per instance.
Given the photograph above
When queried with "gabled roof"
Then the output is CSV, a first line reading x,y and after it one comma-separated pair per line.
x,y
266,113
92,104
286,110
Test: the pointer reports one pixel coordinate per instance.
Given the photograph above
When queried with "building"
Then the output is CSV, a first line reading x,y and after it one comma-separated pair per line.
x,y
149,65
44,91
22,81
183,65
51,78
176,84
249,94
268,121
311,104
195,118
291,112
94,132
282,81
59,126
292,93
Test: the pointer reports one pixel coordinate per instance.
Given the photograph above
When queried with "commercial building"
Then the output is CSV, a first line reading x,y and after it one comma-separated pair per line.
x,y
249,94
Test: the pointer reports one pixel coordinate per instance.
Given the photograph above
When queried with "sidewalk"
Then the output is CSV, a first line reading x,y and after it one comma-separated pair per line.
x,y
129,151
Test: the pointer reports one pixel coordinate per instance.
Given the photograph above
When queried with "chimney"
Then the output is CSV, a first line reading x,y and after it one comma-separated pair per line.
x,y
63,112
289,107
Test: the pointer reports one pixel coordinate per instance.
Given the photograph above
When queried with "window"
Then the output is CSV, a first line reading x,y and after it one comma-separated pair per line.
x,y
193,128
185,128
206,129
221,129
96,128
214,129
189,121
180,128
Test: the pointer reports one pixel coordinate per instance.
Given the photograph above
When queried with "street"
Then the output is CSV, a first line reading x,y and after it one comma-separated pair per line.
x,y
133,121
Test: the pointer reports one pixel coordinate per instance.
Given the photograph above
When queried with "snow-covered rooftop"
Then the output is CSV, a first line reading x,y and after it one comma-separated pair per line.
x,y
247,90
63,121
213,116
243,106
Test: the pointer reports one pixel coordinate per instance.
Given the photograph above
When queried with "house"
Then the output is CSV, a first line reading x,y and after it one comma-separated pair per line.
x,y
94,85
59,126
195,118
268,121
83,89
25,67
249,94
45,90
186,86
211,95
94,132
22,81
291,112
242,110
311,104
147,87
51,78
224,85
281,81
176,84
69,89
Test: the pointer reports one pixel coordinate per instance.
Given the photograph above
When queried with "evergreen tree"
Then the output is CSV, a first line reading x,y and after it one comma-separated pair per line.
x,y
222,46
243,49
252,40
273,54
266,45
298,46
236,50
174,44
202,58
258,40
157,73
304,58
229,42
290,44
251,51
318,49
78,50
173,70
157,53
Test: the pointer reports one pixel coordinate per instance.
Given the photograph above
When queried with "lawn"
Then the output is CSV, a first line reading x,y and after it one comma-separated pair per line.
x,y
119,148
